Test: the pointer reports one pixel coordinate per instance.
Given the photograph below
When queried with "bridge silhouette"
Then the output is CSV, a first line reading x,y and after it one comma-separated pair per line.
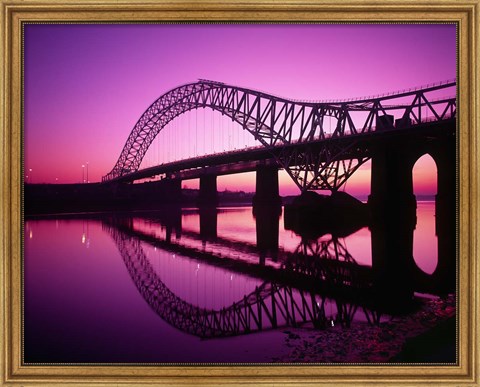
x,y
292,134
393,131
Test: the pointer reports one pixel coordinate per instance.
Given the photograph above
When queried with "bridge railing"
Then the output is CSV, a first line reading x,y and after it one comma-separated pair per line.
x,y
451,82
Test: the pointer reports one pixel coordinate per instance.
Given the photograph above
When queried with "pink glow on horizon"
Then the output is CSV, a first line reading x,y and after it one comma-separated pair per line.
x,y
87,85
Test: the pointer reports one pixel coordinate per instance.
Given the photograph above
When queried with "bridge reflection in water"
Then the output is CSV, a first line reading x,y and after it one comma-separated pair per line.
x,y
317,282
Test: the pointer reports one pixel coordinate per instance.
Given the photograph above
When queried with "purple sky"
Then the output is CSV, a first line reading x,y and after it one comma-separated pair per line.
x,y
87,85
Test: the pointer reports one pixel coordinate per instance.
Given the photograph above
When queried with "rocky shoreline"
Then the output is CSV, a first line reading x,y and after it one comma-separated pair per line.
x,y
391,341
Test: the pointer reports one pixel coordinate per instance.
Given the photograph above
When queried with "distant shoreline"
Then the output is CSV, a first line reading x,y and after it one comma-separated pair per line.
x,y
97,197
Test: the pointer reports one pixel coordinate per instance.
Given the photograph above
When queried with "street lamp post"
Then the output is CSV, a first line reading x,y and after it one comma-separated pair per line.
x,y
31,177
83,173
87,173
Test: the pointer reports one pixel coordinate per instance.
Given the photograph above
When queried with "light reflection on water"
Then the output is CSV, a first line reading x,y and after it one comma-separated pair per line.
x,y
425,248
78,292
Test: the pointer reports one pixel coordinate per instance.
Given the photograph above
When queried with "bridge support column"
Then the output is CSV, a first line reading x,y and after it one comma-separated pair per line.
x,y
208,191
392,194
266,191
393,210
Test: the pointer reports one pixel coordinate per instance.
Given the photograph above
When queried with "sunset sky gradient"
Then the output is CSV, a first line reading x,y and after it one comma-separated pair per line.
x,y
87,85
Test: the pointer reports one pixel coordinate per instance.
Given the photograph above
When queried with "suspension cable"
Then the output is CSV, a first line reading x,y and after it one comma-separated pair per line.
x,y
204,134
196,136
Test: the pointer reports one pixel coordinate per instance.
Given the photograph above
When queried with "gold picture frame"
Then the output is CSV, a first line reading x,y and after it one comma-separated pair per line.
x,y
15,12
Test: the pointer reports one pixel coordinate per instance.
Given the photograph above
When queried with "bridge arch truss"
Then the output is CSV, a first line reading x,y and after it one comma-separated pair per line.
x,y
281,124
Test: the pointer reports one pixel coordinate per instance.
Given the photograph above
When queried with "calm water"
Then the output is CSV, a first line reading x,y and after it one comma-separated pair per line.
x,y
193,287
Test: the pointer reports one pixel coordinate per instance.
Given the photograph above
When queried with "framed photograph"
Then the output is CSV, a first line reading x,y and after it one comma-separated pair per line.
x,y
239,193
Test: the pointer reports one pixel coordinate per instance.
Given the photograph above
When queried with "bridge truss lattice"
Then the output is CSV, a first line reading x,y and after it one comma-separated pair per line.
x,y
279,123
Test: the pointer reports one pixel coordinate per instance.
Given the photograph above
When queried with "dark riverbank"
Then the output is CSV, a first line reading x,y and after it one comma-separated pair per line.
x,y
427,336
95,197
434,346
41,199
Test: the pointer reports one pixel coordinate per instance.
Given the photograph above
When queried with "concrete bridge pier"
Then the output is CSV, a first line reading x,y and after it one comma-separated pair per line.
x,y
393,212
391,195
266,191
208,196
267,208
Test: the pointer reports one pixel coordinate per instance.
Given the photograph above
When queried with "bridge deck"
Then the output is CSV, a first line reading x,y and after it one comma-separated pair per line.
x,y
245,160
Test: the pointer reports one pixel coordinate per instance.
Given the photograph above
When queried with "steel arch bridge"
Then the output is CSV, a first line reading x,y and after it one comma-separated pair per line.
x,y
269,306
276,122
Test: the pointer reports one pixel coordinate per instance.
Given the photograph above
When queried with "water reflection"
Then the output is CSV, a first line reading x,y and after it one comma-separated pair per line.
x,y
426,256
208,274
267,221
298,291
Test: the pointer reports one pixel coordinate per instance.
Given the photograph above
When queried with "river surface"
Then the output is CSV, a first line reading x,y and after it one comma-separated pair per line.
x,y
214,287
